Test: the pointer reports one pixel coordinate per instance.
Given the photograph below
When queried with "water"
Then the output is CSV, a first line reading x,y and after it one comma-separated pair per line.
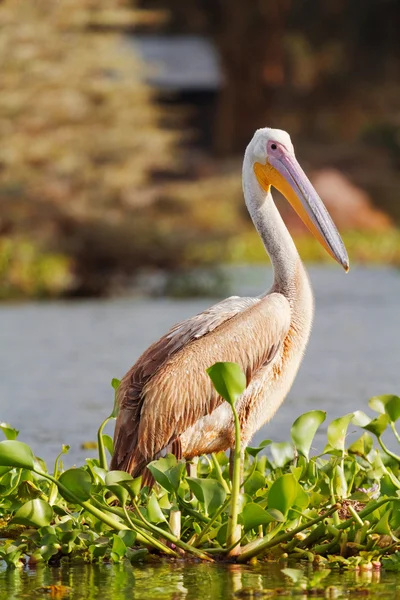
x,y
183,581
57,358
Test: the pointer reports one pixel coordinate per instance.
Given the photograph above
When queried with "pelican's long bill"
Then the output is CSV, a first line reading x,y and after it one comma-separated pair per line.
x,y
284,172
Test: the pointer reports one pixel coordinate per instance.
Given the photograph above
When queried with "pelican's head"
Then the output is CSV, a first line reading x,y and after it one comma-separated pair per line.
x,y
271,154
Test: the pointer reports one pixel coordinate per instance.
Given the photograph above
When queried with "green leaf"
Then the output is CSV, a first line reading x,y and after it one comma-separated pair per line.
x,y
254,483
304,429
118,547
128,536
35,513
228,379
208,491
16,454
393,408
339,481
9,432
115,482
115,383
154,511
302,498
108,443
254,451
360,418
283,493
377,426
167,472
253,515
380,405
77,481
362,446
282,453
382,527
337,431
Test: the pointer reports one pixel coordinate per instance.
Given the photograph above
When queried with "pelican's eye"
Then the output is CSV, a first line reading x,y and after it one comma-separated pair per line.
x,y
273,146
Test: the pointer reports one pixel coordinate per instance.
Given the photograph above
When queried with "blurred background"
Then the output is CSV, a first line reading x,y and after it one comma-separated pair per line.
x,y
122,130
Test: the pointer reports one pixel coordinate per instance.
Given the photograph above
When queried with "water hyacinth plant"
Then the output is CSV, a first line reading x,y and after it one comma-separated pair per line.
x,y
340,506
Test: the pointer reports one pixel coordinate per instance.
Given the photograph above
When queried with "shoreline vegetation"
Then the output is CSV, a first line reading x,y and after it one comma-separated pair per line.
x,y
29,272
336,509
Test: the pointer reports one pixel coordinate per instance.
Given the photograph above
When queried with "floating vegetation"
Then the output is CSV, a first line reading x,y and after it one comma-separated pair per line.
x,y
340,507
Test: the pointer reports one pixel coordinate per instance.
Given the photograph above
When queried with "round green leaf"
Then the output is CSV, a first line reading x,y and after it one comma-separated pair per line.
x,y
35,513
254,483
208,491
283,493
253,515
168,472
228,379
337,431
77,481
282,453
16,454
115,477
304,429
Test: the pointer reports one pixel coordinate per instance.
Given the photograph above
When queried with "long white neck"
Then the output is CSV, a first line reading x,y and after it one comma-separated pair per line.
x,y
275,236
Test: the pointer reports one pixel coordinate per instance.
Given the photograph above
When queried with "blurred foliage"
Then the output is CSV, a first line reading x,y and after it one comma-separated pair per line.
x,y
26,271
79,140
92,168
325,70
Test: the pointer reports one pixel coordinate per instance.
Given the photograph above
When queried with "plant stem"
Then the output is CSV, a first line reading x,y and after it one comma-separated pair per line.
x,y
233,532
387,451
252,470
260,545
150,540
211,523
192,512
218,471
102,451
368,510
154,529
356,516
396,434
85,504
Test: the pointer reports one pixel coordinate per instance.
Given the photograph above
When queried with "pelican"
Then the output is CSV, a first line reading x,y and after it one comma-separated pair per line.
x,y
167,401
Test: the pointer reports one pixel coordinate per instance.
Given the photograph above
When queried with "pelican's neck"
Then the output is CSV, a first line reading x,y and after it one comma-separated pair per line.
x,y
276,238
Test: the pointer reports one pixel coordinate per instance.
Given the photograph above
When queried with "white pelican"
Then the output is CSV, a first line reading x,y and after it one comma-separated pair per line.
x,y
167,401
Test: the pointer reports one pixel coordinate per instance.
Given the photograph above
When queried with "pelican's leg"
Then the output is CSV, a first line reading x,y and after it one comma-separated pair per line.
x,y
191,466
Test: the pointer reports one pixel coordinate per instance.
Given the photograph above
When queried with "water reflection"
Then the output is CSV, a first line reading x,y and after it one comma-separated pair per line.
x,y
179,580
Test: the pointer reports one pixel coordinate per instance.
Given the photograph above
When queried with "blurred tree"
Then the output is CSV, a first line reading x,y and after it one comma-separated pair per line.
x,y
79,139
322,69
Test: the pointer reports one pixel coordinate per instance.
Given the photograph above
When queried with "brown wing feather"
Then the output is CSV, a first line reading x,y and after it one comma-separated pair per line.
x,y
168,388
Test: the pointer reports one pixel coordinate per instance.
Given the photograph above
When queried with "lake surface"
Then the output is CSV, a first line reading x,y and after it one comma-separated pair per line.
x,y
183,581
57,359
